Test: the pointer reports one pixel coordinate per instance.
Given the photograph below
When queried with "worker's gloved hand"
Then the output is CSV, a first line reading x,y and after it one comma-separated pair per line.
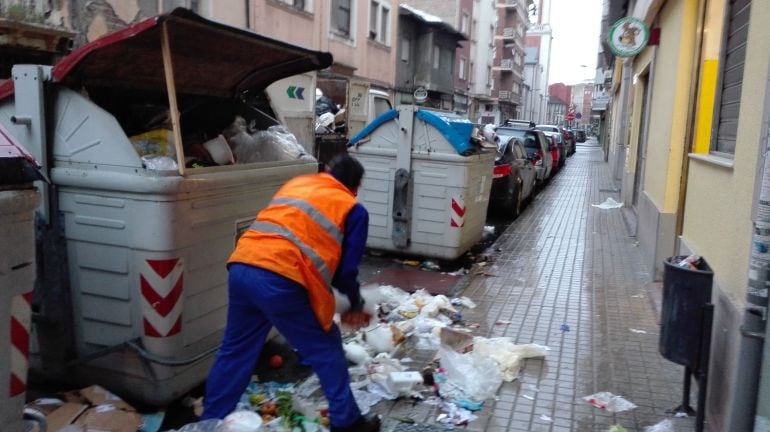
x,y
356,317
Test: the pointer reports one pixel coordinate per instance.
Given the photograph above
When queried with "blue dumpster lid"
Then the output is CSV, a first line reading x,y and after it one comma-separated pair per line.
x,y
456,130
209,58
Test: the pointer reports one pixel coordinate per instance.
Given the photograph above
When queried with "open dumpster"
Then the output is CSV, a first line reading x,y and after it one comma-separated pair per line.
x,y
161,143
426,185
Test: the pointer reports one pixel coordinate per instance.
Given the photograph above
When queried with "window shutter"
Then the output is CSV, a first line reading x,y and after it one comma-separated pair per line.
x,y
732,75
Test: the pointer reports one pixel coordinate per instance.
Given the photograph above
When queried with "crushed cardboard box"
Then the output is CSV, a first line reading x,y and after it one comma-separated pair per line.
x,y
92,409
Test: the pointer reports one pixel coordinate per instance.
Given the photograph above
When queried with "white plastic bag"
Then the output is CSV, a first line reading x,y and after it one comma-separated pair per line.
x,y
241,421
663,426
476,376
211,425
278,144
609,401
509,356
159,163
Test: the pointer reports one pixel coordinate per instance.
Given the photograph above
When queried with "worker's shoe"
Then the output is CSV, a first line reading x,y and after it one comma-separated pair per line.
x,y
369,423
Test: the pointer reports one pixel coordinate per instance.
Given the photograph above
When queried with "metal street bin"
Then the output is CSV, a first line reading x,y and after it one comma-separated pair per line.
x,y
18,200
685,327
426,186
685,293
134,284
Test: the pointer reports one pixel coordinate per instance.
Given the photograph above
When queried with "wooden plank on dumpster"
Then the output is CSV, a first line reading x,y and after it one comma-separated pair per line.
x,y
168,69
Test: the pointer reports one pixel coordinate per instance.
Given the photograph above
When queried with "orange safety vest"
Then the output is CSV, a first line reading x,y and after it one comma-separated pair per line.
x,y
299,236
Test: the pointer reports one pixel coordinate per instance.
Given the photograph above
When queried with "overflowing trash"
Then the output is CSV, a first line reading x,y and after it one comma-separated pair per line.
x,y
609,203
691,262
610,402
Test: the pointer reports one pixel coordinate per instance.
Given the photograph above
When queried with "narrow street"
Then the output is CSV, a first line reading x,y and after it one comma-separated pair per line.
x,y
568,275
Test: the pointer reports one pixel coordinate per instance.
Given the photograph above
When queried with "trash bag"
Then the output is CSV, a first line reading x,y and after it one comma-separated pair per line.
x,y
278,144
476,376
158,142
241,421
324,105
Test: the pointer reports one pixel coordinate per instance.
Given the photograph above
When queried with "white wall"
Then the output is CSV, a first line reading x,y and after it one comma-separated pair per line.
x,y
484,16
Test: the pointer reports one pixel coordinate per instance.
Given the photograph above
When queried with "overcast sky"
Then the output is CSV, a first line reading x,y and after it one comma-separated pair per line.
x,y
575,25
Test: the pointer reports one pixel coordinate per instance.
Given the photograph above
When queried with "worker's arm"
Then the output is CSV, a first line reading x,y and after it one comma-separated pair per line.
x,y
353,244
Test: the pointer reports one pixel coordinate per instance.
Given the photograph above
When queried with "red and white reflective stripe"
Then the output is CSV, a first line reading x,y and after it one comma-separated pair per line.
x,y
458,212
20,325
162,287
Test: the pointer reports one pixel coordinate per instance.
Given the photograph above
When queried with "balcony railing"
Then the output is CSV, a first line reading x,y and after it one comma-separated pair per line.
x,y
509,33
504,95
506,64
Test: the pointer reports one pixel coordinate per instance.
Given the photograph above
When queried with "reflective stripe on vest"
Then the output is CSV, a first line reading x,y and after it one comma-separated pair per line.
x,y
318,262
314,214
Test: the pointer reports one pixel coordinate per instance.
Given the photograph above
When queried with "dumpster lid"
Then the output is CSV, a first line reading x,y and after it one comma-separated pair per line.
x,y
208,58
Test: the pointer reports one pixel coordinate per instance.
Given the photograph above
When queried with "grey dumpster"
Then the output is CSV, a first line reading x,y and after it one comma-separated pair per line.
x,y
18,200
146,247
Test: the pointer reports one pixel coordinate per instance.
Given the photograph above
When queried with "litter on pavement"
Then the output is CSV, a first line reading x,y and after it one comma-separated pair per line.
x,y
609,203
663,426
610,402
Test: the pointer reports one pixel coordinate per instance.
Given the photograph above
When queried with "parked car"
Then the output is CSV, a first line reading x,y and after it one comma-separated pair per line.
x,y
524,124
580,135
558,141
568,141
536,146
513,177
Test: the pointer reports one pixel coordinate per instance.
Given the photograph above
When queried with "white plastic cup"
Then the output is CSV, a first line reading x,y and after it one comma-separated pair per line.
x,y
219,150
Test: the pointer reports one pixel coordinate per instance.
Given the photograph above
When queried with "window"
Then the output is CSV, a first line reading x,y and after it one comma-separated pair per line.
x,y
381,106
379,21
461,69
303,5
405,46
341,17
464,24
731,80
436,57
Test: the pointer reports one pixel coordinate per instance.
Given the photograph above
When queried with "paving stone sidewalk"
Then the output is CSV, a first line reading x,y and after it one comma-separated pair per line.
x,y
564,264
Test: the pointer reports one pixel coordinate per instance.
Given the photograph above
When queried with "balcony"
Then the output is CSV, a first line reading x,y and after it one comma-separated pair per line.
x,y
504,95
520,5
506,65
509,33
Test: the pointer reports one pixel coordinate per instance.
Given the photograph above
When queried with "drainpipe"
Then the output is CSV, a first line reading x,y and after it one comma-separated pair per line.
x,y
747,375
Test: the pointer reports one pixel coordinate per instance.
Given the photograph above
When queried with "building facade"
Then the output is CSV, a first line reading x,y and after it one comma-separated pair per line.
x,y
484,24
427,58
689,134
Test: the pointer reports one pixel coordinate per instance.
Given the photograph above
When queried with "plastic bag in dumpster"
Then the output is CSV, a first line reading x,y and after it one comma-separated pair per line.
x,y
278,144
159,163
158,142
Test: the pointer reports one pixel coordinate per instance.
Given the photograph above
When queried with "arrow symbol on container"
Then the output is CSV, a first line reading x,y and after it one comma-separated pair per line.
x,y
295,92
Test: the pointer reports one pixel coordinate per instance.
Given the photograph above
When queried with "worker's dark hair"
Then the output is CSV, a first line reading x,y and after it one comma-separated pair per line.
x,y
347,170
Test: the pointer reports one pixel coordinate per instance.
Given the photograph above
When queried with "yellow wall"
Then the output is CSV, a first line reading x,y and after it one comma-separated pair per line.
x,y
668,113
717,220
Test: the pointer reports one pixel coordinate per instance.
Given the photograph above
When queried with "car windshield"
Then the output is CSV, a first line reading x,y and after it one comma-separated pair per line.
x,y
527,137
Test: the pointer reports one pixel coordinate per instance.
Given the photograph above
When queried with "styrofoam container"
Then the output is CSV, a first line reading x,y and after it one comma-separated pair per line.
x,y
403,382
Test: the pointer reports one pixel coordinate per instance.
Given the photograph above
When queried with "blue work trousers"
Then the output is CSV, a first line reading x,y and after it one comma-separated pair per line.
x,y
260,299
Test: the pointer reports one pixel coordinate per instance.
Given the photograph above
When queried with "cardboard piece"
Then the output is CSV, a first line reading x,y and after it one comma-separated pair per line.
x,y
92,409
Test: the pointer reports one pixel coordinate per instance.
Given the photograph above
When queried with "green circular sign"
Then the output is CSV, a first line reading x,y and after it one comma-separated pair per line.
x,y
628,37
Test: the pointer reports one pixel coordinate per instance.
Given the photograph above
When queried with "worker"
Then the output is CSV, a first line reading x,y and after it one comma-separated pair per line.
x,y
310,237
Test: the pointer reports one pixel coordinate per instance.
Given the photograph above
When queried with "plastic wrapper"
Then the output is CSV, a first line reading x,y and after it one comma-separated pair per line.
x,y
610,402
278,144
211,425
477,377
159,163
241,421
663,426
158,142
507,355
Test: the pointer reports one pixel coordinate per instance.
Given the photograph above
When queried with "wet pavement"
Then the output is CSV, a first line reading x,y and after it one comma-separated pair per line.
x,y
569,276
